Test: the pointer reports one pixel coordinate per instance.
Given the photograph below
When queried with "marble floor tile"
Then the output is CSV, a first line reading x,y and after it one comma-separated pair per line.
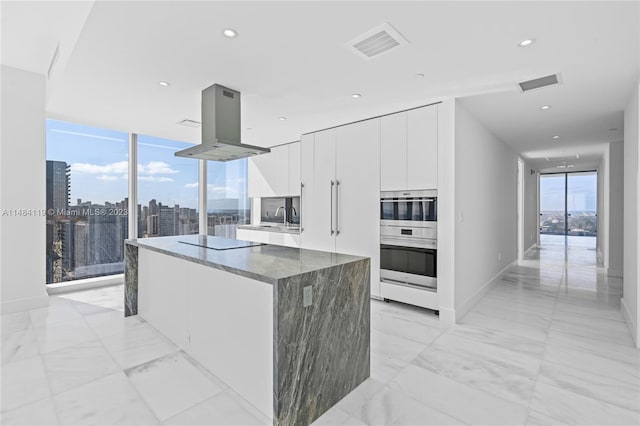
x,y
601,331
19,345
223,409
17,321
23,382
399,348
537,419
529,347
76,365
172,384
514,315
384,368
390,407
495,370
410,329
111,400
63,335
567,407
408,312
137,345
53,314
519,329
337,417
39,413
111,322
457,400
616,392
570,311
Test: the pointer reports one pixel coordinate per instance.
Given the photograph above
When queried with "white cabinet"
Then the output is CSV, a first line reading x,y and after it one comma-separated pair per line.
x,y
341,194
269,237
276,174
409,150
422,148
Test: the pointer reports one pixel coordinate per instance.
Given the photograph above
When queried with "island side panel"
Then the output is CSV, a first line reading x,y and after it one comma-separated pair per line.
x,y
130,280
321,351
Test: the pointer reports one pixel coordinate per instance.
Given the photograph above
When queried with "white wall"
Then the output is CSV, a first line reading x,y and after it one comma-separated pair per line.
x,y
615,190
531,216
22,186
485,209
631,218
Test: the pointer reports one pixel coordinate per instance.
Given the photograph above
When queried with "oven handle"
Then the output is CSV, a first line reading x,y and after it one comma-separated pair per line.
x,y
399,242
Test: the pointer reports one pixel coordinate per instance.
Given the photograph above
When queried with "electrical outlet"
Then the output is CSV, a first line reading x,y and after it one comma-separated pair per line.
x,y
307,296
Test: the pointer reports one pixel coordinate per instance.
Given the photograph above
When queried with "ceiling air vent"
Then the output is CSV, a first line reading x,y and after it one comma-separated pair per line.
x,y
189,123
538,83
377,41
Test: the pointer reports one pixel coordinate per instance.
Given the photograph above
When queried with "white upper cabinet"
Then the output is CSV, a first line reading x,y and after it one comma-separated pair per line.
x,y
422,148
294,169
393,152
409,150
276,174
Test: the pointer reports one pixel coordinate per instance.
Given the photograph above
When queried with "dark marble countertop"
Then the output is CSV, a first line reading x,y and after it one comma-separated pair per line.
x,y
287,229
266,263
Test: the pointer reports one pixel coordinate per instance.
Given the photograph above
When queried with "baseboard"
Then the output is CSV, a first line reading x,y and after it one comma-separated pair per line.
x,y
69,286
614,272
533,247
447,317
470,302
25,304
631,323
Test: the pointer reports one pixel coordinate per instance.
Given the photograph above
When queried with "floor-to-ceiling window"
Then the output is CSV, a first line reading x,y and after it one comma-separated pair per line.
x,y
86,203
167,189
227,199
568,208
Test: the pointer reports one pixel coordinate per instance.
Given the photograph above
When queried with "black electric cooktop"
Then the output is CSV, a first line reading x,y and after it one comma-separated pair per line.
x,y
217,243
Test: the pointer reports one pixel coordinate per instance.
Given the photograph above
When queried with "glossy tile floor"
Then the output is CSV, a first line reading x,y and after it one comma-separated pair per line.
x,y
545,346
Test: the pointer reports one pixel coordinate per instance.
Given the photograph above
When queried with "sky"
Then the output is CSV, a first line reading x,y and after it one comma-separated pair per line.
x,y
99,167
581,194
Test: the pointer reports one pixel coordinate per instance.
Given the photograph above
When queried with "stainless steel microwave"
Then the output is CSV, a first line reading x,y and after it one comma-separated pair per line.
x,y
409,208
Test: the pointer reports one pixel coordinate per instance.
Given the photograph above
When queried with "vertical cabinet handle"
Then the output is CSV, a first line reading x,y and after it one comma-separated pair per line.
x,y
337,207
300,213
331,207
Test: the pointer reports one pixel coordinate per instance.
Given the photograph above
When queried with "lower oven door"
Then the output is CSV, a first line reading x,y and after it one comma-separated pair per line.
x,y
412,266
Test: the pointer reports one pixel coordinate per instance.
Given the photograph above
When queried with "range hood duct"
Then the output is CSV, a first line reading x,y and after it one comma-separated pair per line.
x,y
221,128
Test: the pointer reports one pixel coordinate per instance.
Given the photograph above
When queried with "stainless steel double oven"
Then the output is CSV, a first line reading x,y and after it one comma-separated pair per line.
x,y
408,238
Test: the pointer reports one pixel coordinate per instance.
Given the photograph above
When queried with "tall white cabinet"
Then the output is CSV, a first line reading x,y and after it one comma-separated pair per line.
x,y
409,150
340,171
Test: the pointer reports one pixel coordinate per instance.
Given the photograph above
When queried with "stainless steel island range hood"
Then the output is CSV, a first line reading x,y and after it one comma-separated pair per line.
x,y
221,128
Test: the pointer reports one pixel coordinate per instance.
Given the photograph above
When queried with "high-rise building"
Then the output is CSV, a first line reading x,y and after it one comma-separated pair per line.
x,y
58,185
59,248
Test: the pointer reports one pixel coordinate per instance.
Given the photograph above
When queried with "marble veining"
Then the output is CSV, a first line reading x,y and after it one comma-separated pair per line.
x,y
322,350
266,263
130,279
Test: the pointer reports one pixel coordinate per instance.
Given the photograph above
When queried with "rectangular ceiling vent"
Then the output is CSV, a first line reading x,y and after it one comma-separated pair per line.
x,y
189,123
377,41
538,83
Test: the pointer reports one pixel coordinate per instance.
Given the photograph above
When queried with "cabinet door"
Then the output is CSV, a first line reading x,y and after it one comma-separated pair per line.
x,y
255,177
393,152
276,172
294,169
422,148
323,213
306,194
358,199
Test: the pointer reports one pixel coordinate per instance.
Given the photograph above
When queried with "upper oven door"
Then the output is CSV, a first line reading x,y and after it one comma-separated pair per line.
x,y
411,207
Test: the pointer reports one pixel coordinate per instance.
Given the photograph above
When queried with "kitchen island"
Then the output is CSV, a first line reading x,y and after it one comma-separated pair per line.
x,y
286,328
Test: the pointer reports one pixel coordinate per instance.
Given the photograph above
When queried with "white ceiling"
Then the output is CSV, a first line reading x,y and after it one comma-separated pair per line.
x,y
289,60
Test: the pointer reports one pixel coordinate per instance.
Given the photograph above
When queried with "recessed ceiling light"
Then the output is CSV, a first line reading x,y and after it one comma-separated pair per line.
x,y
249,128
356,95
164,83
556,137
230,33
282,118
527,42
543,107
420,75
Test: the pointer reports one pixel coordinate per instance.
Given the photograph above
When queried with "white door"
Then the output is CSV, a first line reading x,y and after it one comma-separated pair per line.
x,y
324,178
393,152
307,230
422,148
358,193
